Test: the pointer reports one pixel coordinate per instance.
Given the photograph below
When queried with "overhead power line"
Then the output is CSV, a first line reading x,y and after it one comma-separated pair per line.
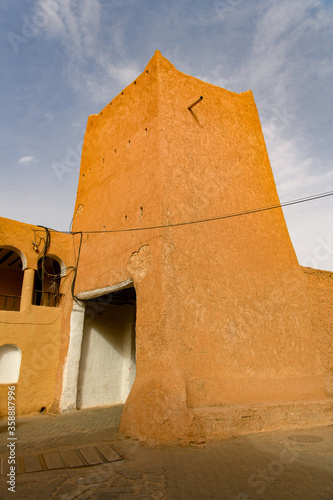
x,y
209,219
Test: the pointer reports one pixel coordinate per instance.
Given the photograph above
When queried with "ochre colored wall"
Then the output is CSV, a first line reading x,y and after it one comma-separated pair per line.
x,y
222,311
234,287
37,333
41,333
225,315
120,170
320,289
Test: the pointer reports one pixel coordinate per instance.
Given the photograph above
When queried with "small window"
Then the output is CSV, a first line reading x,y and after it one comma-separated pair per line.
x,y
47,283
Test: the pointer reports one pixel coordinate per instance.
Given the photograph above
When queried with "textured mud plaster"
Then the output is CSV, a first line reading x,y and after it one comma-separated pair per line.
x,y
320,289
71,368
39,332
222,312
139,263
223,318
79,210
156,409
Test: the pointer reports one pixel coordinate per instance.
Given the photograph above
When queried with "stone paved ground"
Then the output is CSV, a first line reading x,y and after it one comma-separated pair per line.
x,y
258,466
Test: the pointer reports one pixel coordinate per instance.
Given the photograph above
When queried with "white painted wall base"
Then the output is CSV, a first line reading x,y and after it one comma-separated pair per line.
x,y
71,370
106,372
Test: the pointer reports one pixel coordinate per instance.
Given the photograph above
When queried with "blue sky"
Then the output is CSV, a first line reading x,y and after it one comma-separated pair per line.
x,y
62,60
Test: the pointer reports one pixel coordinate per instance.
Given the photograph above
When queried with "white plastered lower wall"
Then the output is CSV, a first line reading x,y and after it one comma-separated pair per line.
x,y
100,364
72,363
106,357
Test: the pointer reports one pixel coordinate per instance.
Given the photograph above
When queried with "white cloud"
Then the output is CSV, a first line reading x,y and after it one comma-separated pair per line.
x,y
280,50
27,160
90,68
285,62
73,22
295,174
120,73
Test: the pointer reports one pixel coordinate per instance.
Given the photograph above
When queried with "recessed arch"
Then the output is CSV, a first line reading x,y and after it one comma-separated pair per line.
x,y
18,252
10,364
50,270
11,277
60,262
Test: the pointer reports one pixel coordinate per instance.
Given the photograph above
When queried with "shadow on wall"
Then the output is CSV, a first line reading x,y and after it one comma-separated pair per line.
x,y
10,364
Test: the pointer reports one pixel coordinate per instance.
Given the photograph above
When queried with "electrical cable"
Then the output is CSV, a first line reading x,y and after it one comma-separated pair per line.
x,y
54,287
76,267
200,221
228,216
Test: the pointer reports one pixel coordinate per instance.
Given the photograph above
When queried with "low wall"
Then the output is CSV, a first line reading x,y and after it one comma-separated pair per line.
x,y
37,333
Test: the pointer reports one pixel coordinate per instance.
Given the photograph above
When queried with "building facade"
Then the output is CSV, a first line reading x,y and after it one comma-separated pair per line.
x,y
172,294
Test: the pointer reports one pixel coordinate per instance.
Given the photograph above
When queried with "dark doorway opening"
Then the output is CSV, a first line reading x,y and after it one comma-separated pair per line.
x,y
108,353
11,279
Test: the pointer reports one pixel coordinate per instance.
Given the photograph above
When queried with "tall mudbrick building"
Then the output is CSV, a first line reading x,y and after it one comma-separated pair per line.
x,y
172,294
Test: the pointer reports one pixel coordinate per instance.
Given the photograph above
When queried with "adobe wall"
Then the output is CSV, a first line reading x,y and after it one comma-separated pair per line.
x,y
119,184
320,289
120,188
222,311
237,315
37,334
127,194
41,333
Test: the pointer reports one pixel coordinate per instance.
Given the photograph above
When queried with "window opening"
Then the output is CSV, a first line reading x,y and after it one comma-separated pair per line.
x,y
47,283
11,279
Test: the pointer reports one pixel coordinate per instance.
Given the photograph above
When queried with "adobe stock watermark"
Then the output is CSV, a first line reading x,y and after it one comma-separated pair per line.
x,y
41,357
278,121
322,252
223,7
84,484
266,476
33,25
93,308
69,164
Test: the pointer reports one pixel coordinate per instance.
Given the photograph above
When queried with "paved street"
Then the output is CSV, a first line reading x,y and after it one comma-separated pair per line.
x,y
81,456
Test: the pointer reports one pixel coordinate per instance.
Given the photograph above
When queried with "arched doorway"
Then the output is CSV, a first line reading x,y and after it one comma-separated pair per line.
x,y
11,279
108,355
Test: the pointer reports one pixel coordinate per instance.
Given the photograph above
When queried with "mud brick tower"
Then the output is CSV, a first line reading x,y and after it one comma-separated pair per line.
x,y
223,334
